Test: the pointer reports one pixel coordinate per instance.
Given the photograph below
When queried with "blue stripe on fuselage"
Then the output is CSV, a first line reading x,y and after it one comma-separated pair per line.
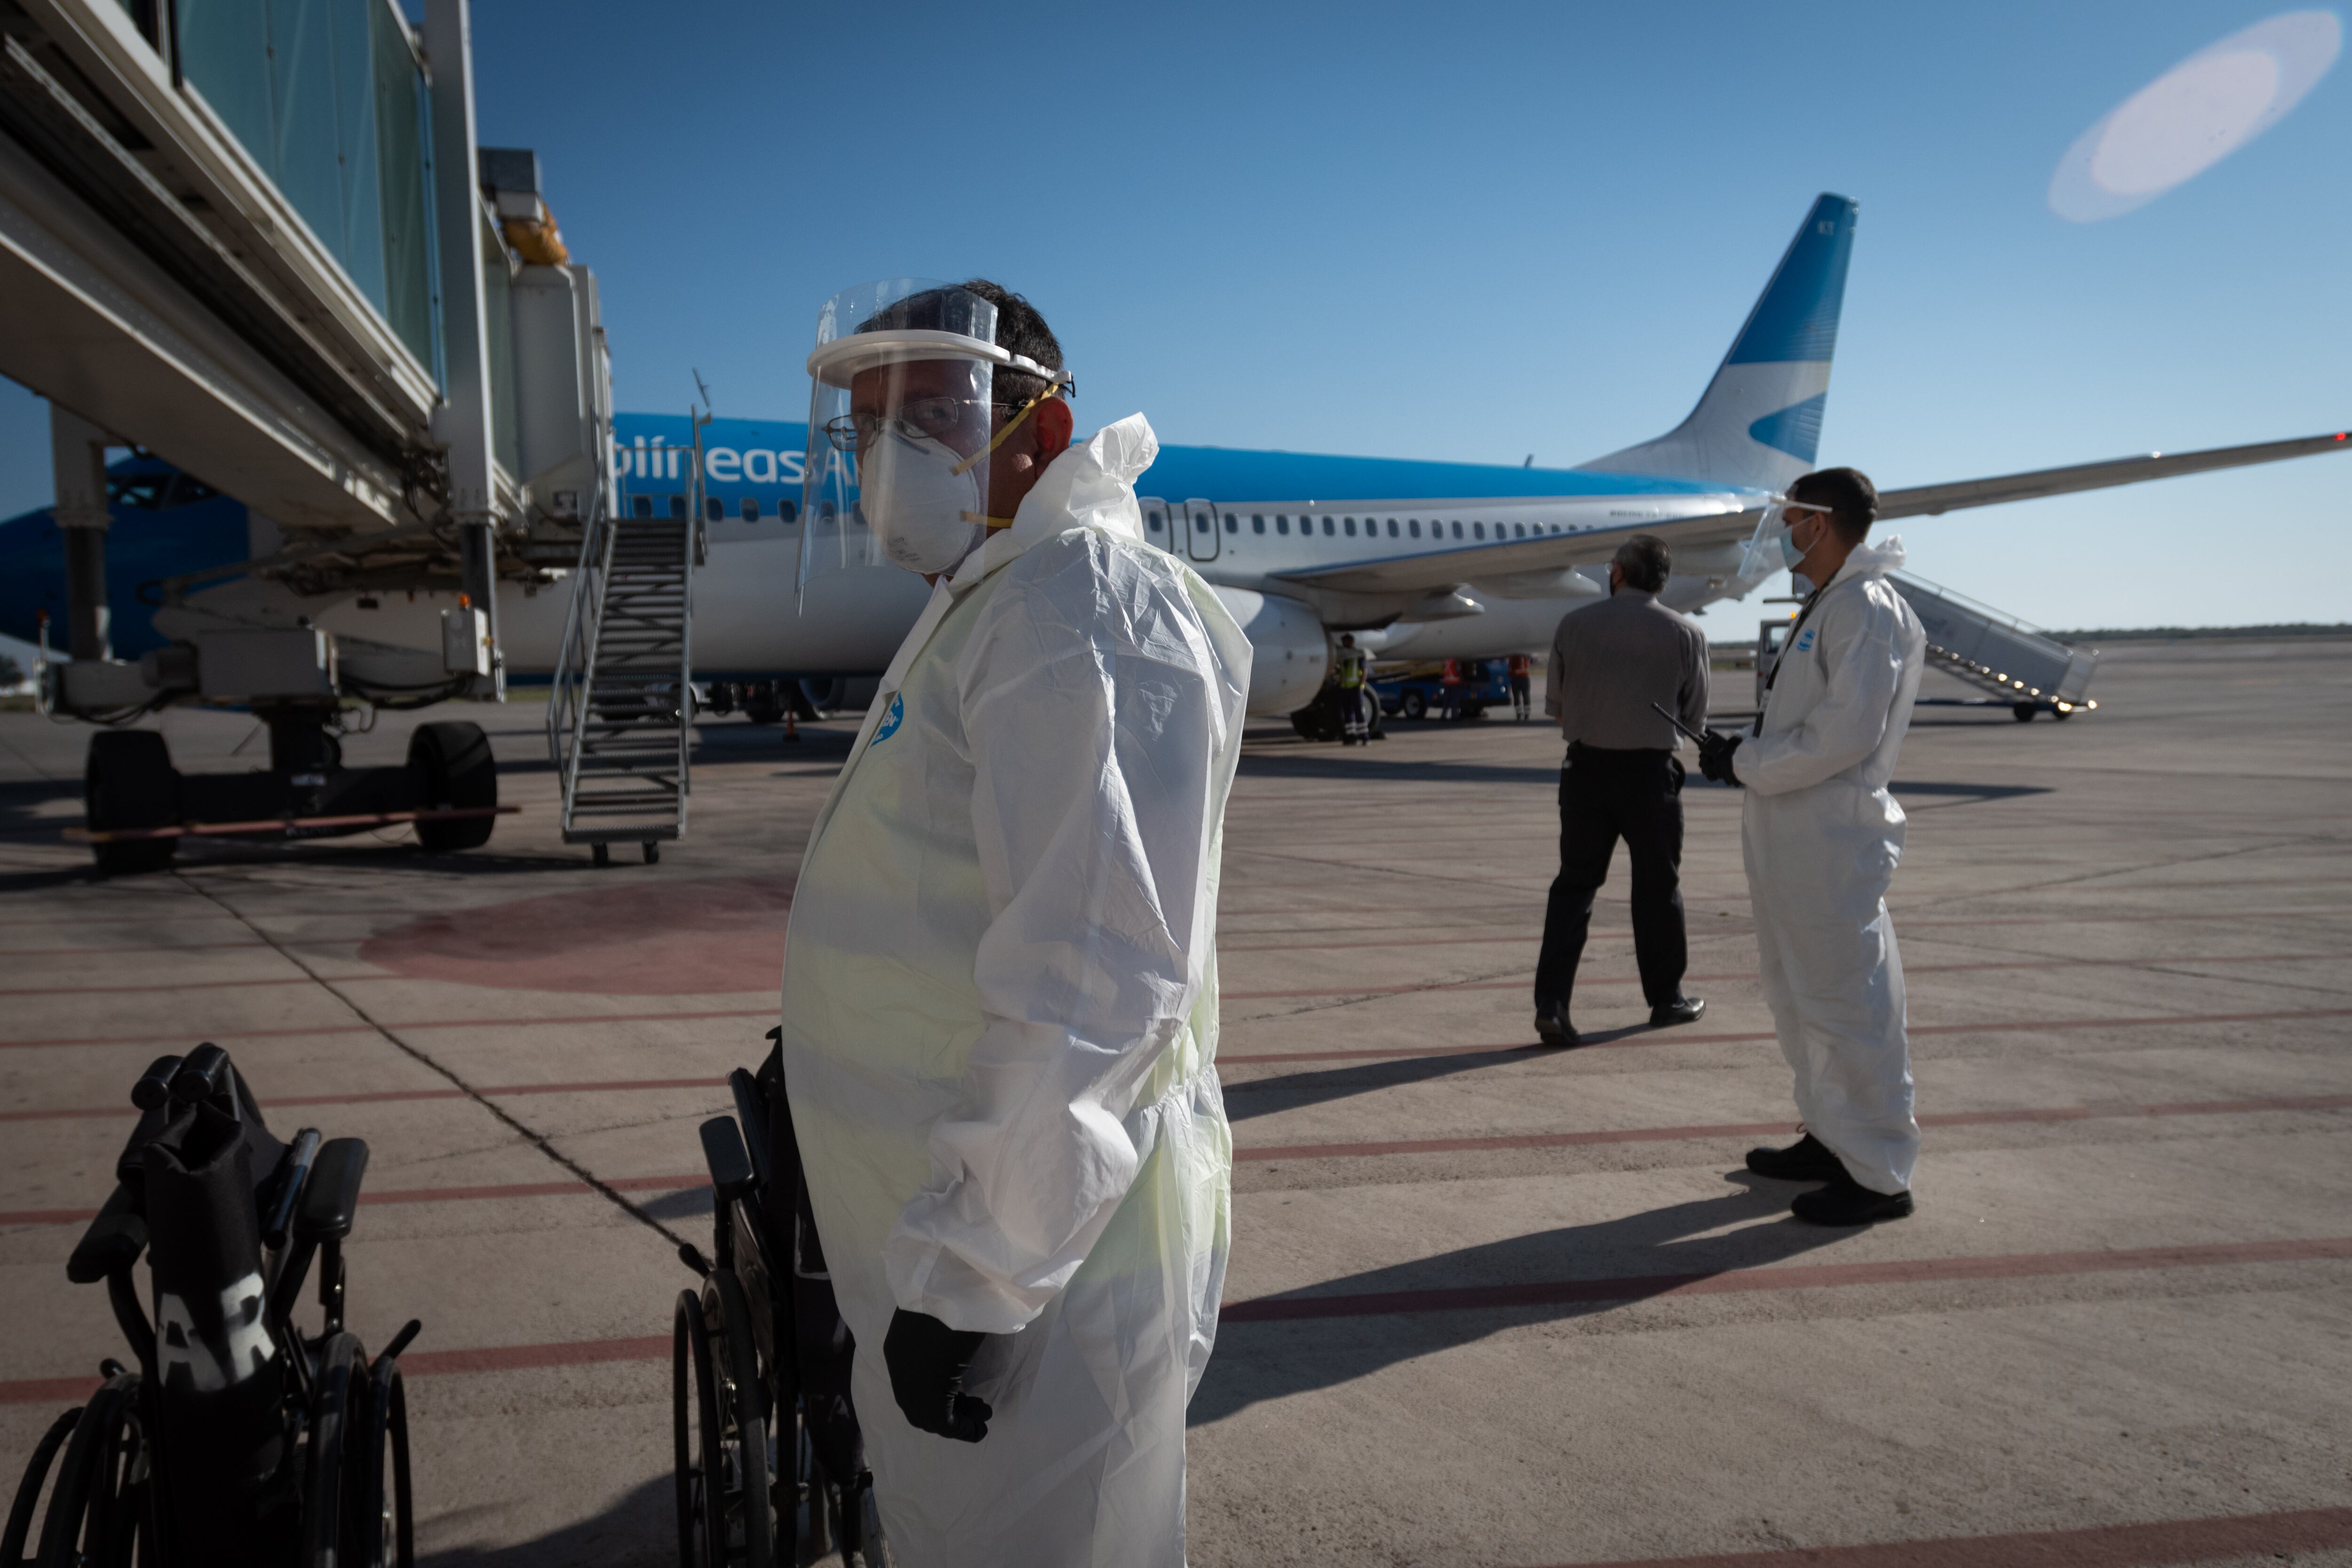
x,y
754,456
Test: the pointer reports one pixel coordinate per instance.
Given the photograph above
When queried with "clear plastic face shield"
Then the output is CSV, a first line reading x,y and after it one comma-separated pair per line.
x,y
902,422
1773,547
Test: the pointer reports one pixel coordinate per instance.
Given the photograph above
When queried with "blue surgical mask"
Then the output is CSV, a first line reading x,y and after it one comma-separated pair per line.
x,y
1789,554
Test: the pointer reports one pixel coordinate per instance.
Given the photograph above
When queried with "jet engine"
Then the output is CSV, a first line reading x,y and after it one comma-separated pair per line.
x,y
1291,651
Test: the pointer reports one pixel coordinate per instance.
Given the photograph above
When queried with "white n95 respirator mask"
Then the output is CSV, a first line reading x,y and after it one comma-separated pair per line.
x,y
921,498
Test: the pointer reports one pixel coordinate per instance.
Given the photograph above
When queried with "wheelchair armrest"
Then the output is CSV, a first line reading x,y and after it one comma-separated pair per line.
x,y
332,1196
752,1110
730,1161
113,1241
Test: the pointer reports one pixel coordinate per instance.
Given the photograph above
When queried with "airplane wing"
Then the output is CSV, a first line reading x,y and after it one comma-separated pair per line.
x,y
1520,558
1929,500
1524,559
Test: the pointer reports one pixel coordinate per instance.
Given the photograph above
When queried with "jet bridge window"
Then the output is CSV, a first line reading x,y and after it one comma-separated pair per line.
x,y
1257,522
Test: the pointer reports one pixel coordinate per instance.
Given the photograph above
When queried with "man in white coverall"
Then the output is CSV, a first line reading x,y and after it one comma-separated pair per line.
x,y
999,996
1822,838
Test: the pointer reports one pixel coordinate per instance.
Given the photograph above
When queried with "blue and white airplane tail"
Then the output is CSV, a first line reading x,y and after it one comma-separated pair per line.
x,y
1759,422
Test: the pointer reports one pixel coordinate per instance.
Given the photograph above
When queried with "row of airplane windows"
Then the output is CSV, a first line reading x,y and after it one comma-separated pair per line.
x,y
748,509
1203,523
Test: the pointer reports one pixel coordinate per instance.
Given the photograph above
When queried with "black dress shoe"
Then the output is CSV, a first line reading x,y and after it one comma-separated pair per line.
x,y
1681,1010
1847,1201
1807,1160
1552,1027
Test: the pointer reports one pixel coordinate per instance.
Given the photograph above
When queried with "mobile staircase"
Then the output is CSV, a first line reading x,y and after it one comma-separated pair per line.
x,y
2017,665
620,720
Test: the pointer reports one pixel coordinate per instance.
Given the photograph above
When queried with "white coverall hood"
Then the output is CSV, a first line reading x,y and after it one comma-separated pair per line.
x,y
1000,1021
1821,837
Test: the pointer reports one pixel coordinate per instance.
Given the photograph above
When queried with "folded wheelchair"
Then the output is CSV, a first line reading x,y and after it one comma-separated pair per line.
x,y
771,1464
238,1440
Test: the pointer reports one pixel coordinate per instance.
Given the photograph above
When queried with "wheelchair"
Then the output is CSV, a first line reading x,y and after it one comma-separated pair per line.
x,y
771,1464
237,1439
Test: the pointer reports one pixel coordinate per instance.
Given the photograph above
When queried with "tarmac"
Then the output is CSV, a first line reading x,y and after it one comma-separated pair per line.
x,y
1488,1303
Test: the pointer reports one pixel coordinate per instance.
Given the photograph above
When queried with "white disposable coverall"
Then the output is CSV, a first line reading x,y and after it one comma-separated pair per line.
x,y
1822,838
1000,1022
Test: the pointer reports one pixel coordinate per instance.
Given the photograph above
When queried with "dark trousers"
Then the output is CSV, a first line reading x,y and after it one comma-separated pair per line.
x,y
1605,796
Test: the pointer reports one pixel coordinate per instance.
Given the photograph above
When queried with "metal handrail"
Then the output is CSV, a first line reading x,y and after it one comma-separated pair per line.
x,y
568,706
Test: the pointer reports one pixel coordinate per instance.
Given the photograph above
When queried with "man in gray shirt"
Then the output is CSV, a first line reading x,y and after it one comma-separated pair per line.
x,y
1609,662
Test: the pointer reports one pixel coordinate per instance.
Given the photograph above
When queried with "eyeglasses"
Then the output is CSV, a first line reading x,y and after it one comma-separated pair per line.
x,y
925,418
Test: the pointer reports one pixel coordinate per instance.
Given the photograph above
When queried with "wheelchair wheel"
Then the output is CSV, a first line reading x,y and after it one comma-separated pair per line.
x,y
382,1528
720,1432
28,1490
97,1506
337,1410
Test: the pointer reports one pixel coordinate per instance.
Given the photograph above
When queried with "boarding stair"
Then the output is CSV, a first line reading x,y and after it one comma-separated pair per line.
x,y
2017,665
620,720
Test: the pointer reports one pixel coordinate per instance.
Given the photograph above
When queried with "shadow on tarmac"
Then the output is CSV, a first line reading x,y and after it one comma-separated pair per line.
x,y
1291,1091
1259,1360
641,1528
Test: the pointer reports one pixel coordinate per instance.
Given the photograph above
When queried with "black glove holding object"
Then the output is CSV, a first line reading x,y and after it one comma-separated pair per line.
x,y
1715,758
927,1362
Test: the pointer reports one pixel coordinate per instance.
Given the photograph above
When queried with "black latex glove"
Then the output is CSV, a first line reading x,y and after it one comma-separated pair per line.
x,y
1715,757
927,1362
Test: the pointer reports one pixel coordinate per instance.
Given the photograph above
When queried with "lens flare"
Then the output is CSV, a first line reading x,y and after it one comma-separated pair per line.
x,y
2194,115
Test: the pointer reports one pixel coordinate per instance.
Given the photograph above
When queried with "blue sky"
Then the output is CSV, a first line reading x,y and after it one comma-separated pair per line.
x,y
1479,232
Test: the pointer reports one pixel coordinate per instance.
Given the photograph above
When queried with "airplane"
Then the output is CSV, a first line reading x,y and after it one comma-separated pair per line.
x,y
1418,560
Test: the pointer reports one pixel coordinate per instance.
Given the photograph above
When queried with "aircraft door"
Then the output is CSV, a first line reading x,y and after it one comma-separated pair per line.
x,y
1201,530
1161,522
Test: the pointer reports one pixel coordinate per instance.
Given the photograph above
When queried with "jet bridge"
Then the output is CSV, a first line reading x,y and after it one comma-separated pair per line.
x,y
263,244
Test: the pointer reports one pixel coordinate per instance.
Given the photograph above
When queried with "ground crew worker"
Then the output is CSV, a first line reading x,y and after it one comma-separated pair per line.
x,y
1609,662
1520,667
1355,724
999,1001
1449,689
1821,837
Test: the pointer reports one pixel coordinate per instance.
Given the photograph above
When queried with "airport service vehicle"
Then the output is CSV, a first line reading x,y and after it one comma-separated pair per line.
x,y
1419,690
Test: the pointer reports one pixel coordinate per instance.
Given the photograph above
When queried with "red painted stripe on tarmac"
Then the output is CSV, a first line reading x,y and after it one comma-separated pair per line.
x,y
124,952
2100,1546
1785,1277
1782,1277
692,1181
395,1026
81,1112
1768,1129
1520,982
1670,1036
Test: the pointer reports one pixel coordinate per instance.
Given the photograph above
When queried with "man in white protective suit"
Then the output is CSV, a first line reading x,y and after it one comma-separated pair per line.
x,y
999,994
1822,838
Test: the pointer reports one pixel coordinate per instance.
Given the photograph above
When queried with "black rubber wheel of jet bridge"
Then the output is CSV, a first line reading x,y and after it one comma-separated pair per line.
x,y
459,772
127,783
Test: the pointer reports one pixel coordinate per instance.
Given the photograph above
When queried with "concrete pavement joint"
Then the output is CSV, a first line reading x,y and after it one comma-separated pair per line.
x,y
537,1140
